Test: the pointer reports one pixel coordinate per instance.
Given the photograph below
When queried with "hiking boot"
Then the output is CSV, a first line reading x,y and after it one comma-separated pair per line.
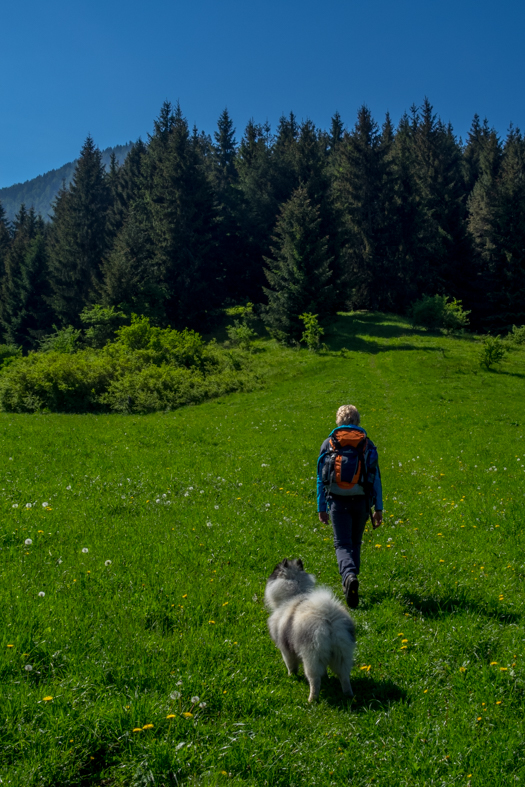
x,y
351,589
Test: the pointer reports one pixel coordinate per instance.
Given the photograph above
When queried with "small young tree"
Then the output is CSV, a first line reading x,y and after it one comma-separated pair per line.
x,y
299,272
241,334
312,331
492,352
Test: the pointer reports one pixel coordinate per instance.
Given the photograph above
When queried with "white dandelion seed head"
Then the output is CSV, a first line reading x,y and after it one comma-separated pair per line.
x,y
59,561
28,667
45,505
186,494
194,700
68,486
10,458
28,542
175,695
15,505
41,594
202,704
157,500
28,505
202,491
164,496
179,683
85,550
190,488
107,563
216,507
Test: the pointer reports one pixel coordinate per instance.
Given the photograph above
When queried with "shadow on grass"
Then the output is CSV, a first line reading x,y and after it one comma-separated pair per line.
x,y
450,604
369,693
348,329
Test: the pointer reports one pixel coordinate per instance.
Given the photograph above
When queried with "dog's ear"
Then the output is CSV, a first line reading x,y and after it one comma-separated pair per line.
x,y
284,564
300,563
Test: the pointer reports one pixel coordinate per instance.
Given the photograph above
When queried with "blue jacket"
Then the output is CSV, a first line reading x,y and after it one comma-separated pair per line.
x,y
377,490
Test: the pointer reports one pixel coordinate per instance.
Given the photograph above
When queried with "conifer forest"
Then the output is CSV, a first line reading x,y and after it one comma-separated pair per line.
x,y
294,220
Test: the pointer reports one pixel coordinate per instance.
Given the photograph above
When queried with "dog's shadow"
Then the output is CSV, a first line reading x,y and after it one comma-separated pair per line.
x,y
369,693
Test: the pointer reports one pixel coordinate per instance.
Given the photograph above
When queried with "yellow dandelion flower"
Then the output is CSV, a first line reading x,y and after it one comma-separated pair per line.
x,y
503,669
46,699
211,622
185,595
187,715
404,640
400,634
137,729
226,602
479,718
378,546
462,669
403,647
498,702
10,646
171,715
441,561
425,691
148,727
493,663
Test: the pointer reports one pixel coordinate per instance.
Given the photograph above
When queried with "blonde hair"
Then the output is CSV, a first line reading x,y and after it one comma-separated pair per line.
x,y
347,414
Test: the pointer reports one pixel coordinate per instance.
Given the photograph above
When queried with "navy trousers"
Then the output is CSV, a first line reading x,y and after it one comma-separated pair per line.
x,y
349,516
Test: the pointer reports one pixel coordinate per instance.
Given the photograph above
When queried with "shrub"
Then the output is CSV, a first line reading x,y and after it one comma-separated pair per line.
x,y
516,335
240,333
62,340
143,370
492,351
101,323
436,312
312,331
9,353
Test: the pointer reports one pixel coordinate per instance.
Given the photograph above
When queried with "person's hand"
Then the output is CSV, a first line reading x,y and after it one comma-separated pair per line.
x,y
323,517
377,519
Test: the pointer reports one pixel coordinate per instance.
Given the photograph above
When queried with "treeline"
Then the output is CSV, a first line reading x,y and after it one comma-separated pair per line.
x,y
300,220
42,190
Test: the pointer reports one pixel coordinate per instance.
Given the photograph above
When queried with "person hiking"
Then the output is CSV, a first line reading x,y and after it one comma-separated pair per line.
x,y
348,488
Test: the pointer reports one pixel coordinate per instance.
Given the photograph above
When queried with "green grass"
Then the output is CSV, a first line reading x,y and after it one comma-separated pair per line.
x,y
195,507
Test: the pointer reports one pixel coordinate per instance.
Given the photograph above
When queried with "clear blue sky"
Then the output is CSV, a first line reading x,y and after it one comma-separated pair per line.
x,y
104,68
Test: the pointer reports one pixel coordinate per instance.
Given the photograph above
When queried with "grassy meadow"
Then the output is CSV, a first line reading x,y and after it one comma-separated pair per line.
x,y
134,554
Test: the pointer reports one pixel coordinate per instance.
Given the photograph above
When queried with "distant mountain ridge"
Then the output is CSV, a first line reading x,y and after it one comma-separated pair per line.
x,y
42,190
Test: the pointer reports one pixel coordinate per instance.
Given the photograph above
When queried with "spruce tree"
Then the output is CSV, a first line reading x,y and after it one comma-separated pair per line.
x,y
299,270
231,256
361,172
131,280
79,236
442,196
182,222
24,313
497,225
258,203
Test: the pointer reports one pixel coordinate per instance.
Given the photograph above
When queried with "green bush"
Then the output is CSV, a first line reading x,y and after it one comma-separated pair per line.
x,y
145,369
101,323
516,336
437,312
312,331
492,351
62,340
8,353
240,333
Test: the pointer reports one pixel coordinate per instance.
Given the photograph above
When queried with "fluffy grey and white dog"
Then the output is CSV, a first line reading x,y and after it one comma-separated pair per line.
x,y
309,625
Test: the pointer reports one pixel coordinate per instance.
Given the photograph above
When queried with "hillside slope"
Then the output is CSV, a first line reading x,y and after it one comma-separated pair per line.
x,y
40,192
135,552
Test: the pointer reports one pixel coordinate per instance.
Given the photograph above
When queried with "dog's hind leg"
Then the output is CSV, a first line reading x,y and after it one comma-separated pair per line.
x,y
342,670
291,660
313,674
